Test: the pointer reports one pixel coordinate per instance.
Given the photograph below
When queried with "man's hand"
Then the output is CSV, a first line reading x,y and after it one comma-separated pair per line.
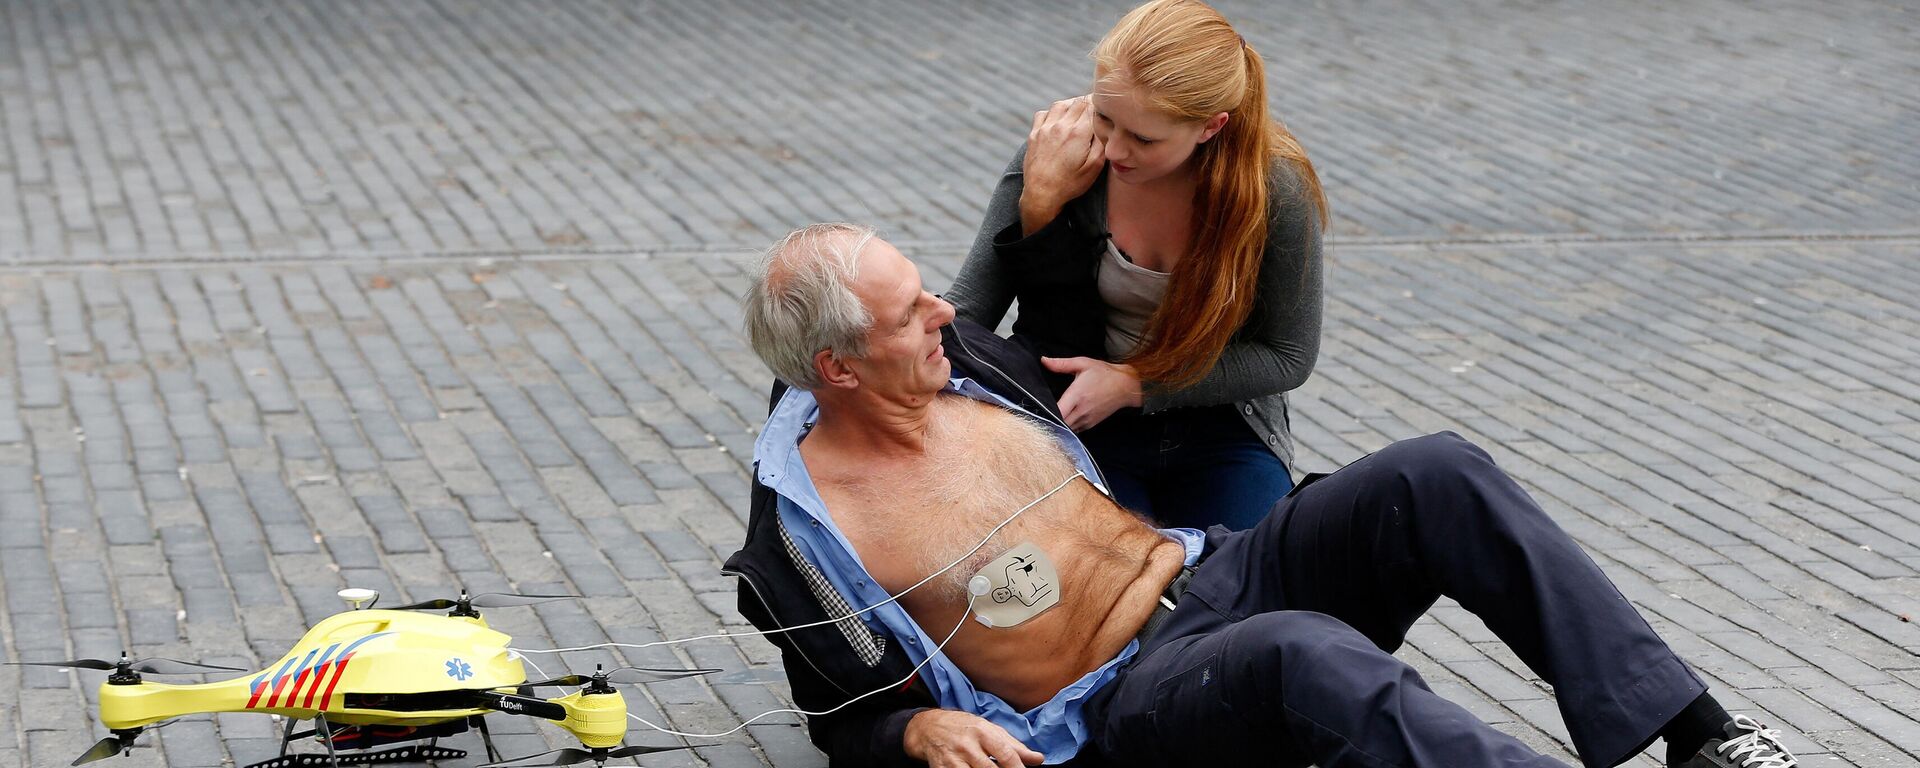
x,y
1064,156
946,738
1099,388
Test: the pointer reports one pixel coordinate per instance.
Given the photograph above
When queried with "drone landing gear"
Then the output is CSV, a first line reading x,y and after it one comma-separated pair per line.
x,y
479,722
328,733
412,753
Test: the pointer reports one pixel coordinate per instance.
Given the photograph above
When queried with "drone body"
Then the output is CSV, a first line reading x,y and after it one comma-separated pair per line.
x,y
358,667
372,677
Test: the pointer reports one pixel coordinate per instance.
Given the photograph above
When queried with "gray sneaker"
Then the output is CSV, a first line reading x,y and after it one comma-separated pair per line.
x,y
1746,745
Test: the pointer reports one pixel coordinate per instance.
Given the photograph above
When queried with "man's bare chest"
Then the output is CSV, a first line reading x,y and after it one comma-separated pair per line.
x,y
982,464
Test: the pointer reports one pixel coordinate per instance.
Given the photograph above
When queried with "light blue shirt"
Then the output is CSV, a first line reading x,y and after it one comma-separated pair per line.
x,y
1056,728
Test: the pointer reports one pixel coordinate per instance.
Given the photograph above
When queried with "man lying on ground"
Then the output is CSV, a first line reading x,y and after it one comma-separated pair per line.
x,y
1015,613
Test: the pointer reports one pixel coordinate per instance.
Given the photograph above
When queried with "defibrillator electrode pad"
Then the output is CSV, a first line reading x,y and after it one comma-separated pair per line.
x,y
1018,585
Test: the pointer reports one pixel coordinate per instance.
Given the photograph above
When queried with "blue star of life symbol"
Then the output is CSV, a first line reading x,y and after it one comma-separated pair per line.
x,y
459,670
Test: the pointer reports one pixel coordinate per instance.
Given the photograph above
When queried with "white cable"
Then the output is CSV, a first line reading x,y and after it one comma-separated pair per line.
x,y
930,577
937,649
843,705
536,667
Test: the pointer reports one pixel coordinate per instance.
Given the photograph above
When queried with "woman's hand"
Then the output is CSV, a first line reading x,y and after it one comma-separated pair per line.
x,y
1064,156
945,738
1099,388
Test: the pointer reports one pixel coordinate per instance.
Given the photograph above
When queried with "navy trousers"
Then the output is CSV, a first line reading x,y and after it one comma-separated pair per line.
x,y
1280,651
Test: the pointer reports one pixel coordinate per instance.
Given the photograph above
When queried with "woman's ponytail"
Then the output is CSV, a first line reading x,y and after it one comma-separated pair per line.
x,y
1160,46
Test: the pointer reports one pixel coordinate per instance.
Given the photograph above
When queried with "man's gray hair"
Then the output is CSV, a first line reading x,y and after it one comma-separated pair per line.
x,y
801,301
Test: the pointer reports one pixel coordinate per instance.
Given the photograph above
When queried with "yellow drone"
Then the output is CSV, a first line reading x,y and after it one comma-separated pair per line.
x,y
368,678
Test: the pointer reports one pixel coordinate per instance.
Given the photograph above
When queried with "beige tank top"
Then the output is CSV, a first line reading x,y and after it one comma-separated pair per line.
x,y
1132,292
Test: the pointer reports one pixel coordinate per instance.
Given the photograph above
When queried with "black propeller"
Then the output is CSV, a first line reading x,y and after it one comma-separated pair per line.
x,y
104,748
464,605
625,675
120,741
153,666
572,756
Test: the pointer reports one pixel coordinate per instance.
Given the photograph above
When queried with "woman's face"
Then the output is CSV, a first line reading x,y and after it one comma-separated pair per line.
x,y
1142,144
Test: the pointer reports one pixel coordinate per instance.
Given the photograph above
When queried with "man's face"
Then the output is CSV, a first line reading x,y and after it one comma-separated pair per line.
x,y
904,358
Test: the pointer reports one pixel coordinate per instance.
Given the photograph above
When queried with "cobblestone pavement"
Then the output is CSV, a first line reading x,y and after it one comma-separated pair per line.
x,y
419,296
192,460
155,130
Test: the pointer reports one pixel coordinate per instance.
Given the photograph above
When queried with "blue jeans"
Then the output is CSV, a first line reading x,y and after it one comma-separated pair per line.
x,y
1189,467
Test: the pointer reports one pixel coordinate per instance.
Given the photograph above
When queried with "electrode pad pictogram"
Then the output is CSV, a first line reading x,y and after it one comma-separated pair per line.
x,y
1018,585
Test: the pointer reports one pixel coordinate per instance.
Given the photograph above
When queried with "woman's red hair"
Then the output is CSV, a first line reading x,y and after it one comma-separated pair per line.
x,y
1190,64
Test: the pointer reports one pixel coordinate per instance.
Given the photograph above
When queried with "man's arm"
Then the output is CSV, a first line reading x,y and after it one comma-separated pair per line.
x,y
944,738
893,726
983,291
870,731
1049,271
867,734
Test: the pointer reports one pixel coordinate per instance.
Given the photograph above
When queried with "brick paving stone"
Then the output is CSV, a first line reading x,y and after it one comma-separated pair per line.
x,y
677,546
624,163
474,325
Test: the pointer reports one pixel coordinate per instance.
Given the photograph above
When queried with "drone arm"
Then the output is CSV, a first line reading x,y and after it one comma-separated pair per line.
x,y
521,705
132,706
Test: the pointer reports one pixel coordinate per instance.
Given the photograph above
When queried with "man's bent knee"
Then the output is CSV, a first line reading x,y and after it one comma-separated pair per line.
x,y
1441,452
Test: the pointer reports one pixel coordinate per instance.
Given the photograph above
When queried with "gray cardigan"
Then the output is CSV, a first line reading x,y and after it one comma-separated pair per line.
x,y
1273,352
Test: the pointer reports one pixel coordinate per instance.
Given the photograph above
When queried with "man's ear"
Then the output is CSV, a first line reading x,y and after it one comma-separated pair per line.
x,y
1213,126
833,371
